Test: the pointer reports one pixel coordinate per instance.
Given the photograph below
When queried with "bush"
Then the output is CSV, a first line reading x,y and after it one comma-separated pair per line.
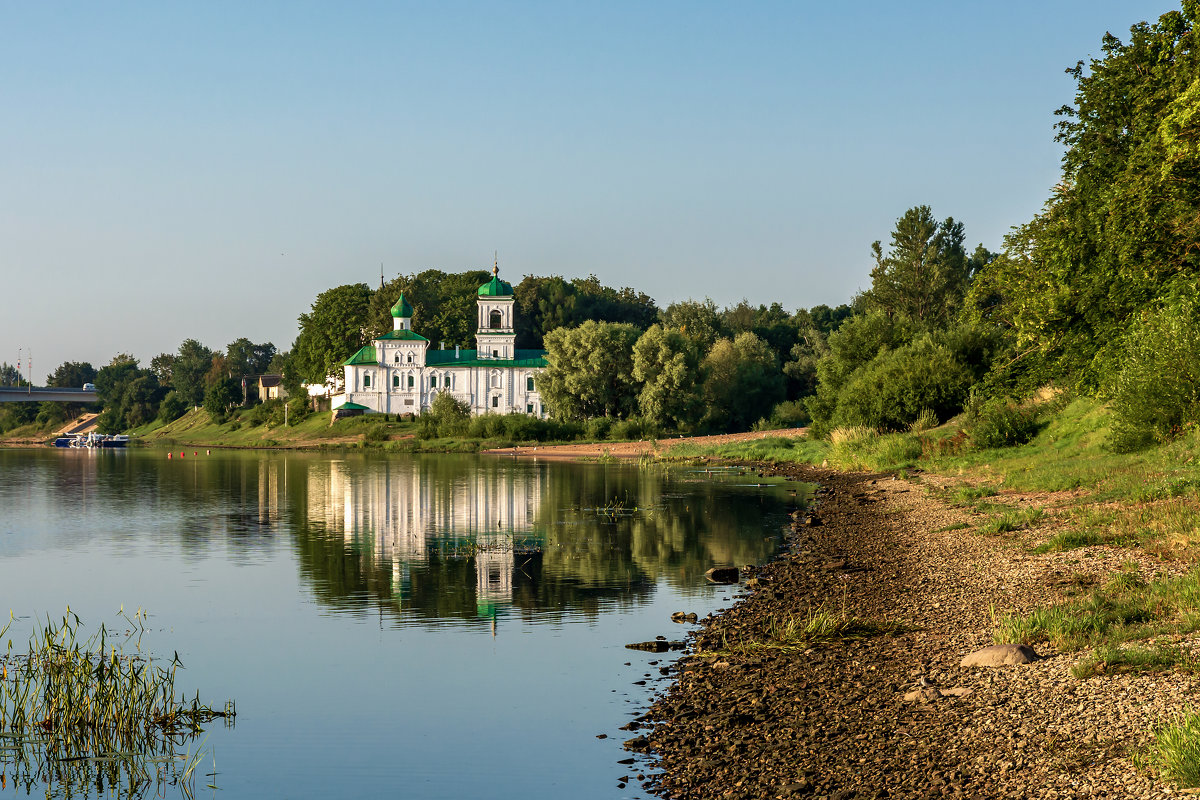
x,y
1000,422
788,414
633,428
892,391
598,427
1154,388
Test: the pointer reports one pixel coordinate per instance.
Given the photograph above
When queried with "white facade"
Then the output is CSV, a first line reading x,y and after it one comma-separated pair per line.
x,y
400,374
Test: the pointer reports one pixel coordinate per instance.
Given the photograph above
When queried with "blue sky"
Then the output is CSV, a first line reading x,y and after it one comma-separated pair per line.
x,y
173,170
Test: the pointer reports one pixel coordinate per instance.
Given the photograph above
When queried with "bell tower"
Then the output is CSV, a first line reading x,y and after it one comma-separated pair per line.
x,y
495,336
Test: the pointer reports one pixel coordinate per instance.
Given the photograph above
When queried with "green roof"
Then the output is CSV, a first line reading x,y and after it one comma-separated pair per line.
x,y
402,308
365,355
403,335
496,288
352,407
470,358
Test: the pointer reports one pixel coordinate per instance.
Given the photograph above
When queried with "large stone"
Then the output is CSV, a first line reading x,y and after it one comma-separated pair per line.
x,y
1000,655
723,575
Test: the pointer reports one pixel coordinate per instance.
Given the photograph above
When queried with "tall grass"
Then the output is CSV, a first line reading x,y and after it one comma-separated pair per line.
x,y
80,712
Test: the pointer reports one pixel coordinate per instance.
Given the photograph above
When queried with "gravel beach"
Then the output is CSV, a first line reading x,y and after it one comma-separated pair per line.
x,y
831,719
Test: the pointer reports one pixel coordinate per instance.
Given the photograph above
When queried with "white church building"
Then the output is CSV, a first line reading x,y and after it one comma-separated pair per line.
x,y
398,373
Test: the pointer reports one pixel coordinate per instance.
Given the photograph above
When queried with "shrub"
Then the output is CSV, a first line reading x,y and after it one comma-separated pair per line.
x,y
598,427
1000,422
788,414
633,428
893,390
1154,389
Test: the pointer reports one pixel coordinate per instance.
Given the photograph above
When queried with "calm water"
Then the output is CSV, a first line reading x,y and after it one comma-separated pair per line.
x,y
428,627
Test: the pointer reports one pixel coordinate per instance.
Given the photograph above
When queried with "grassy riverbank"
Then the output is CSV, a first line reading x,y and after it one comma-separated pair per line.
x,y
1115,536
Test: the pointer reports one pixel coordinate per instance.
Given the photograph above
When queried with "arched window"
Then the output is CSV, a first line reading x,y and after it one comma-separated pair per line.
x,y
396,378
529,384
496,379
433,381
397,358
410,381
366,381
496,320
410,358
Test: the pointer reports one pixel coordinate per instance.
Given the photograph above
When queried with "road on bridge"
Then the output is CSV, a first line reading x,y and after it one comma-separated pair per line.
x,y
38,394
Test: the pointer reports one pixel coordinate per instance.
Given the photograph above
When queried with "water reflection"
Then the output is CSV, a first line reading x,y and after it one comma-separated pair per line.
x,y
446,537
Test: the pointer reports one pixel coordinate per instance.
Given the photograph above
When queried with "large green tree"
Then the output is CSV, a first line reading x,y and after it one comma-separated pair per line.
x,y
130,395
243,357
332,331
188,370
742,382
590,371
667,364
1123,224
925,273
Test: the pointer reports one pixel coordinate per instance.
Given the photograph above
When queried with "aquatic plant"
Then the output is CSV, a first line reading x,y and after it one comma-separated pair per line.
x,y
84,712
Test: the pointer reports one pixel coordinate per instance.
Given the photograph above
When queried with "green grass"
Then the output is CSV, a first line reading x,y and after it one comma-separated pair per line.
x,y
1011,521
1176,750
798,632
1110,659
1125,609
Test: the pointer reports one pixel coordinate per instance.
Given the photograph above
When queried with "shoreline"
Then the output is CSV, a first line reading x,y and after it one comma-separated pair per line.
x,y
747,716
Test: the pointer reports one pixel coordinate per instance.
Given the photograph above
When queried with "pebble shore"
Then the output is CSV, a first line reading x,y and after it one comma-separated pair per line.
x,y
830,720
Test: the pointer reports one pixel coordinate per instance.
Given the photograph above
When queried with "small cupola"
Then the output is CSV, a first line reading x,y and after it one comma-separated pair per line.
x,y
402,315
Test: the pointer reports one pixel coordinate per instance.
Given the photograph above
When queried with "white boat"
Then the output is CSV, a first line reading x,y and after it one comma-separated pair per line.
x,y
92,440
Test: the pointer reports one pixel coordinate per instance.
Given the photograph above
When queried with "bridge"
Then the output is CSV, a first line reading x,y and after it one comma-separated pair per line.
x,y
38,394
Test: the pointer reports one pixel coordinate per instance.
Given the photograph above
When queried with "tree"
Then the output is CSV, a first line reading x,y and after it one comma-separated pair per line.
x,y
243,357
444,305
331,332
130,396
72,375
9,376
667,364
925,274
742,382
549,303
590,371
163,367
222,395
699,321
1123,224
189,369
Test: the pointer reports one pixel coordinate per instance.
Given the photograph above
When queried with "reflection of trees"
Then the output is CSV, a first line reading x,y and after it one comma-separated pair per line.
x,y
402,533
448,537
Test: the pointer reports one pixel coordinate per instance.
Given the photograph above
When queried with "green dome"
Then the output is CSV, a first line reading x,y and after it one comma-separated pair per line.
x,y
496,288
403,309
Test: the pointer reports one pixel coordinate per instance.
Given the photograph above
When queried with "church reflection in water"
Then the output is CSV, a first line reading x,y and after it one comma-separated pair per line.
x,y
442,537
408,518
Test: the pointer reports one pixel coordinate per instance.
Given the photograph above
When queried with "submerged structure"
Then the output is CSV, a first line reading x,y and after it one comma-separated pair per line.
x,y
400,373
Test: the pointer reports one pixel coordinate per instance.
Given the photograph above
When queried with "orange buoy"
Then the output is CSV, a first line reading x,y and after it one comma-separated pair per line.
x,y
169,454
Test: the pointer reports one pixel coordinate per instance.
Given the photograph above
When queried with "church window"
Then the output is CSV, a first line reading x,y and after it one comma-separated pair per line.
x,y
495,380
366,381
495,354
495,401
410,381
529,408
396,380
496,320
410,358
433,381
529,384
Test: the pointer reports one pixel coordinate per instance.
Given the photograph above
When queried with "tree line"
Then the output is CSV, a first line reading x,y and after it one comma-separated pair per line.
x,y
1099,292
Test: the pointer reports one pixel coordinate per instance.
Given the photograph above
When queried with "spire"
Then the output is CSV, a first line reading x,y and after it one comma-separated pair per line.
x,y
381,276
496,264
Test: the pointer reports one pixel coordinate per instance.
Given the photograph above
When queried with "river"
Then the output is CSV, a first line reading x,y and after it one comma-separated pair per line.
x,y
413,626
